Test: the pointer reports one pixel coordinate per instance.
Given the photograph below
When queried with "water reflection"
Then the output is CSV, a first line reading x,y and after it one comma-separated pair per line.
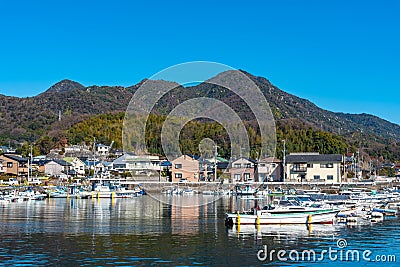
x,y
144,231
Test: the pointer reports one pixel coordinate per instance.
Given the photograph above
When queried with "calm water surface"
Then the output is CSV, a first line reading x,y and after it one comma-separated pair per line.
x,y
146,232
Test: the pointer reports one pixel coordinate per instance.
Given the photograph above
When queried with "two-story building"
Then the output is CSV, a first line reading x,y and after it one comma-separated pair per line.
x,y
137,164
206,170
57,167
15,165
313,167
102,149
242,170
185,168
77,165
269,170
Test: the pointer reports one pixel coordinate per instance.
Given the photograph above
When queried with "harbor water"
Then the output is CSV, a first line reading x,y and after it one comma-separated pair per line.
x,y
144,231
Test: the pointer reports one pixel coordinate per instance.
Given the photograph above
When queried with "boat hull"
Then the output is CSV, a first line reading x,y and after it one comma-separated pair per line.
x,y
325,217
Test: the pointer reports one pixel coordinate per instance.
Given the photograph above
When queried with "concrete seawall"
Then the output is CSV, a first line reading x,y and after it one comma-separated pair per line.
x,y
204,186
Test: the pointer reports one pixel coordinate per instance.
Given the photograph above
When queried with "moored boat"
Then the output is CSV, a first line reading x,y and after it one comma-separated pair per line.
x,y
285,215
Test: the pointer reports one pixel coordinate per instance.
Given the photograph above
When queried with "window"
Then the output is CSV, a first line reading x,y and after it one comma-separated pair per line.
x,y
273,165
237,165
317,177
178,166
248,165
329,177
327,165
178,175
309,165
262,164
237,176
9,164
246,176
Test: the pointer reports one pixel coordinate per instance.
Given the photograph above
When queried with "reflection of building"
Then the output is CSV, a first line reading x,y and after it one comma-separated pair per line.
x,y
185,168
14,164
187,213
269,169
313,167
242,170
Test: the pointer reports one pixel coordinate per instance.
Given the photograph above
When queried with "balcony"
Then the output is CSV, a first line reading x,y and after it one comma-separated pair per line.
x,y
299,169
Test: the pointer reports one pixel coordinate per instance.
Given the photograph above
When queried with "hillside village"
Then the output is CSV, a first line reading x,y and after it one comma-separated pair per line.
x,y
78,163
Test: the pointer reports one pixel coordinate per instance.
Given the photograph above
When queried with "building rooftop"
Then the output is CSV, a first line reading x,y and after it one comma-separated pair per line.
x,y
16,158
313,157
61,162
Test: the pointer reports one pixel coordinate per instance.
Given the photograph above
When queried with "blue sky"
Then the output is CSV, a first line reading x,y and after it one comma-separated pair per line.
x,y
342,55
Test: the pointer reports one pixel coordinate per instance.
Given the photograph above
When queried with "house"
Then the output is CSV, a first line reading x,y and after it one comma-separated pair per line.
x,y
185,168
313,167
15,165
144,164
222,164
206,170
102,150
269,170
57,167
7,150
38,164
242,170
77,165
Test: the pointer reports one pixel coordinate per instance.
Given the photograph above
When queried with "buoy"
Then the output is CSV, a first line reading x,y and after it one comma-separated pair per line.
x,y
98,195
238,219
309,228
258,220
309,219
112,194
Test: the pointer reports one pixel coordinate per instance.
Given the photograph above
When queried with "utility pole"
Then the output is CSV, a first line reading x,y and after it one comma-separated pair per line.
x,y
215,162
159,175
30,167
284,160
358,164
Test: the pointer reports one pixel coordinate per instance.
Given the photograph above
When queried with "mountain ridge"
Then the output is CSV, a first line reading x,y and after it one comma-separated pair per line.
x,y
27,119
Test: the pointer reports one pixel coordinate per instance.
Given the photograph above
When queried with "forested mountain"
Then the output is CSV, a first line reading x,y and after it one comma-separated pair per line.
x,y
300,138
36,118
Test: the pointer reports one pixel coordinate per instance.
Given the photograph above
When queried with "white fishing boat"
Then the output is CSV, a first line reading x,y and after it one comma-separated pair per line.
x,y
31,195
283,215
114,191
